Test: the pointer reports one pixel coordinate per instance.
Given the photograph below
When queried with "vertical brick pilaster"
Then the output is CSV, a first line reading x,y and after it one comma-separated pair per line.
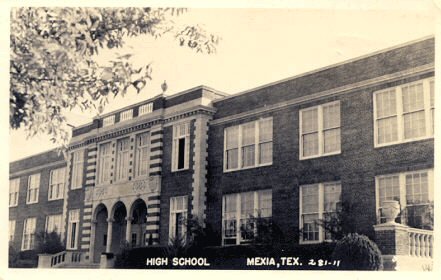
x,y
392,238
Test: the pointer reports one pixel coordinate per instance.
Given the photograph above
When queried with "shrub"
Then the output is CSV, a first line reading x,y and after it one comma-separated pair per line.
x,y
13,257
358,252
49,243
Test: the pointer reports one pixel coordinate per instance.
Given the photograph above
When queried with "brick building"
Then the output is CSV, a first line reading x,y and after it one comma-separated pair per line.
x,y
36,198
349,136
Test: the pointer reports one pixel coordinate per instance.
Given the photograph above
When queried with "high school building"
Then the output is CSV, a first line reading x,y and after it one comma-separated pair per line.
x,y
349,136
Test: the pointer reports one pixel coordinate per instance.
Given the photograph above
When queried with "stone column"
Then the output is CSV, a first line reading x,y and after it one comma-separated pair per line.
x,y
109,235
129,230
92,239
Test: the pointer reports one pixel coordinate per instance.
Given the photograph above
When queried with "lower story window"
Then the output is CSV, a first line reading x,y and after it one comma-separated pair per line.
x,y
11,230
244,215
413,191
178,218
318,203
73,229
29,227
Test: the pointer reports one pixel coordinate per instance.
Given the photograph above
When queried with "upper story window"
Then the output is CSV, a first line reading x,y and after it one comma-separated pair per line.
x,y
145,109
110,120
318,203
414,192
178,218
14,187
248,145
56,184
11,230
142,154
29,227
126,115
241,215
33,188
105,163
77,169
122,159
320,130
181,146
54,224
404,113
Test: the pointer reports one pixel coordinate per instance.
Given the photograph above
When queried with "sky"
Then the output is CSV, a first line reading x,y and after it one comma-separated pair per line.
x,y
257,46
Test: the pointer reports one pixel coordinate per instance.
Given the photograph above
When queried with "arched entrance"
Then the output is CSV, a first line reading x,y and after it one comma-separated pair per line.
x,y
138,223
118,227
100,219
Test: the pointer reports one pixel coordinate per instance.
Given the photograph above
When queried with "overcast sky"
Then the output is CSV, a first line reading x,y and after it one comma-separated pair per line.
x,y
258,46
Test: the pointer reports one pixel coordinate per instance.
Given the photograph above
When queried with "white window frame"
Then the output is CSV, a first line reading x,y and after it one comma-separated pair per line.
x,y
126,115
122,161
320,131
32,188
400,115
238,215
139,155
54,221
59,185
14,191
176,137
321,210
77,169
73,218
101,160
173,212
11,230
145,109
240,146
29,230
402,188
109,120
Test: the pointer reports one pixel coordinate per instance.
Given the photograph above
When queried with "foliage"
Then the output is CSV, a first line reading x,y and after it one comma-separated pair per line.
x,y
49,243
339,223
358,252
419,216
12,256
53,64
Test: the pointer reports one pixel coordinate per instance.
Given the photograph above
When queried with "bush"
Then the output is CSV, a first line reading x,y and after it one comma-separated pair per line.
x,y
49,243
357,252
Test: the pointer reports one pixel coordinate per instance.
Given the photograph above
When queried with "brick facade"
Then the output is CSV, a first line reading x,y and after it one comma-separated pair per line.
x,y
205,182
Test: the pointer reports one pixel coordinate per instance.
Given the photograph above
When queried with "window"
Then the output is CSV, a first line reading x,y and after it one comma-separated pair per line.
x,y
318,202
105,161
73,228
56,184
181,146
11,230
110,120
248,145
14,186
320,130
413,190
54,224
77,169
178,218
142,154
126,115
145,109
241,213
33,187
28,241
122,157
404,113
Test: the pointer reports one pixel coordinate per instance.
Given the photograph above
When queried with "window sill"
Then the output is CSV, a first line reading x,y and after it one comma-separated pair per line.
x,y
177,170
54,199
319,156
403,142
248,167
34,202
13,205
